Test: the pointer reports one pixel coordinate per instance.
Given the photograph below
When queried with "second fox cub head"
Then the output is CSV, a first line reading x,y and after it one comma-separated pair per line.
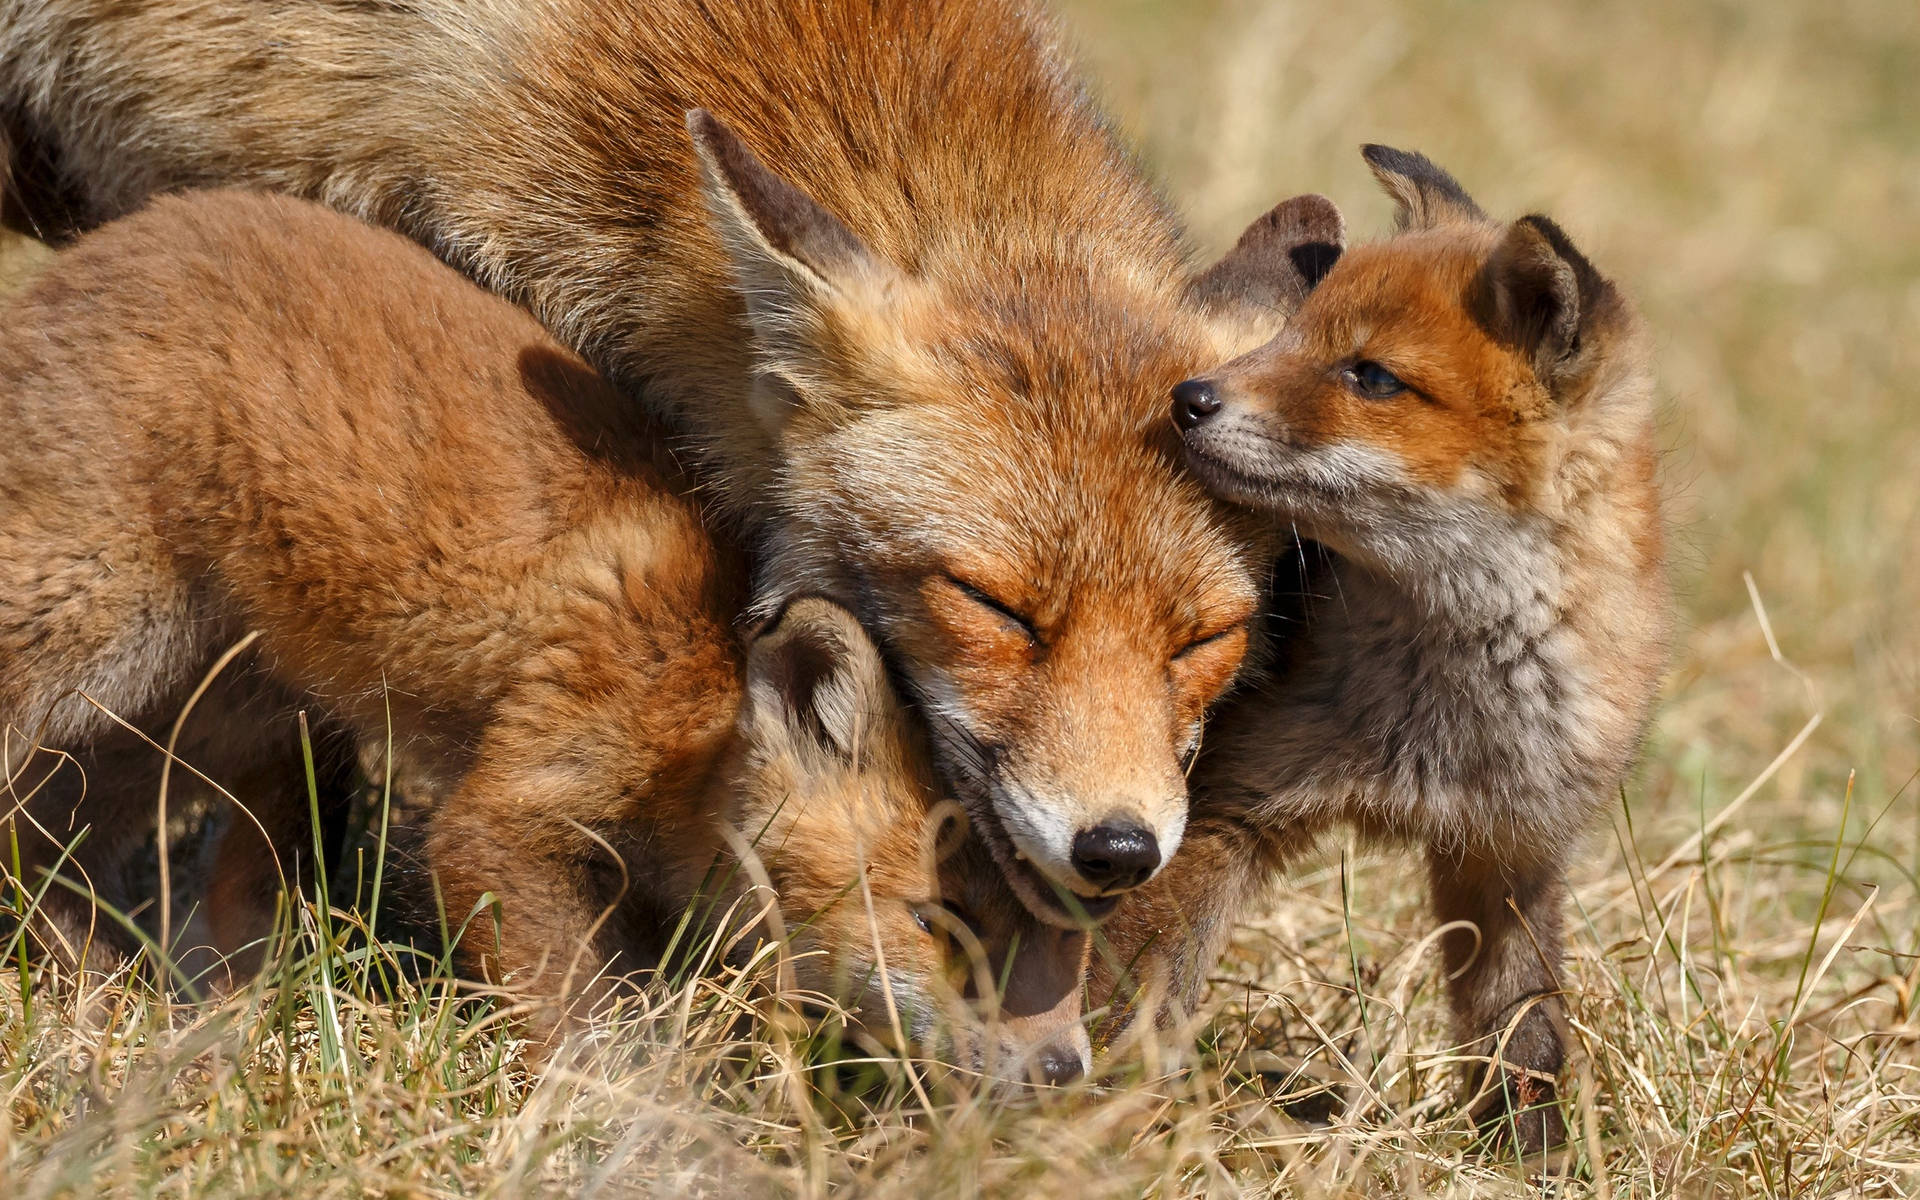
x,y
976,460
1435,391
891,907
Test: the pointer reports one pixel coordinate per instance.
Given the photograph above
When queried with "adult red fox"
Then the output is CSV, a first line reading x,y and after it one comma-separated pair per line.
x,y
234,415
907,301
1463,417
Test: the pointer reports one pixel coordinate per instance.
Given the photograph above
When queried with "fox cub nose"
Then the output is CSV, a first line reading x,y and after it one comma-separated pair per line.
x,y
1114,858
1055,1066
1193,402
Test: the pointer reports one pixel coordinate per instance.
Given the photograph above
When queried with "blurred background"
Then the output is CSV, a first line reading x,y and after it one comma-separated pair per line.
x,y
1750,172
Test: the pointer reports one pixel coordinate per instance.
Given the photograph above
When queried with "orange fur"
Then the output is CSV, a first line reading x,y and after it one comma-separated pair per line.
x,y
1460,420
234,414
905,299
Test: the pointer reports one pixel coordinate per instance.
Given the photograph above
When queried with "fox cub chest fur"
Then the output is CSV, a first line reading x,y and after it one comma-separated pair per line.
x,y
1459,422
242,421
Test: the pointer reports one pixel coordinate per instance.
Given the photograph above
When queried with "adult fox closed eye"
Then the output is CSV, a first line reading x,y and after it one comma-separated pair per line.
x,y
236,414
1462,415
921,350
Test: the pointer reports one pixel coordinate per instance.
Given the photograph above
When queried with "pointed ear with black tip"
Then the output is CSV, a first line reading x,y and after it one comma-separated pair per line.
x,y
1427,197
816,684
1278,260
793,260
1539,294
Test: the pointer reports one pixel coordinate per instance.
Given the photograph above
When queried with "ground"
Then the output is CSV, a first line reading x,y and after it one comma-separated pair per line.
x,y
1745,958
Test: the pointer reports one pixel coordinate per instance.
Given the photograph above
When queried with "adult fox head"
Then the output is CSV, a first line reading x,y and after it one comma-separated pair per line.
x,y
1435,392
892,909
979,465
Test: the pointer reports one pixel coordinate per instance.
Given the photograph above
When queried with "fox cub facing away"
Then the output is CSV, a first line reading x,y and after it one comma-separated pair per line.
x,y
1462,416
233,414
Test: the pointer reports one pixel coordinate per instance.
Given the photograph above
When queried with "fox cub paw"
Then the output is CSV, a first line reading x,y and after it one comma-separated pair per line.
x,y
1520,1116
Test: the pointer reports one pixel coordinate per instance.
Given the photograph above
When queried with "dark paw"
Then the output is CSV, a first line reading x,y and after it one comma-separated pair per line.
x,y
1521,1117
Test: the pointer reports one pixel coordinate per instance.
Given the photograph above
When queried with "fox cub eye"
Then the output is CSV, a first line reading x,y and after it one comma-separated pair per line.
x,y
1005,612
1373,381
941,920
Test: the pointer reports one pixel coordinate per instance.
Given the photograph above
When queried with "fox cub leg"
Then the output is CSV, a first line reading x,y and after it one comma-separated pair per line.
x,y
1503,960
1153,955
535,916
1503,967
95,629
560,924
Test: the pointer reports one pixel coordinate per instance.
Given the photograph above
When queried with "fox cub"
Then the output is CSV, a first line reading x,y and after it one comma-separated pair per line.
x,y
244,422
1462,417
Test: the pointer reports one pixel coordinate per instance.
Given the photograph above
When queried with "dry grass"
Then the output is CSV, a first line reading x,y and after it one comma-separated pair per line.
x,y
1746,957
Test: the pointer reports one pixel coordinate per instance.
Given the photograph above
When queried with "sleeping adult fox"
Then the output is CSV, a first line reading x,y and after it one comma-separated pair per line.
x,y
916,338
1461,415
237,414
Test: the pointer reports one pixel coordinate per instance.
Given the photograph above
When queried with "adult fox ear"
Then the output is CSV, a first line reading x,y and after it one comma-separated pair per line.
x,y
1426,196
816,684
793,260
1540,295
1277,261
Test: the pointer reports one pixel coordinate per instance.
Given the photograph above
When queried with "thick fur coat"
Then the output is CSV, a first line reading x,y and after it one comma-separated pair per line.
x,y
242,420
1459,423
896,286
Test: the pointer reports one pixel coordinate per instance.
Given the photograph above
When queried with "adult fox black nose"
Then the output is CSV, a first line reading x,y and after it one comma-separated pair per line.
x,y
1114,858
1193,402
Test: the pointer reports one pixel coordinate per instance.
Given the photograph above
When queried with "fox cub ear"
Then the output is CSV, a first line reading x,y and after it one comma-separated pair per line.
x,y
793,260
1426,196
816,682
1278,260
1540,295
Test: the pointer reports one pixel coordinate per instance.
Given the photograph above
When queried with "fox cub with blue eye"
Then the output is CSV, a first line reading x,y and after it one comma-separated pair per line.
x,y
1458,422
